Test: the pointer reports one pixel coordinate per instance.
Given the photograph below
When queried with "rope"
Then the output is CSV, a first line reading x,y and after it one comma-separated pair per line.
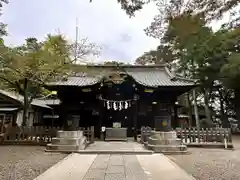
x,y
127,100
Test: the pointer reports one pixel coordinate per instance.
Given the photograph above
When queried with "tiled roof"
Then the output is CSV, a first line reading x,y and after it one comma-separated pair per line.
x,y
49,101
157,77
6,109
19,98
76,81
152,76
36,102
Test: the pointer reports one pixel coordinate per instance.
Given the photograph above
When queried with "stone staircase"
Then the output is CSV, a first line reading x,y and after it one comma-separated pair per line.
x,y
165,142
67,141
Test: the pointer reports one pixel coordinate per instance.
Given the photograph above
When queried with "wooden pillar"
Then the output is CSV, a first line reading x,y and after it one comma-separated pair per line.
x,y
101,119
135,117
62,116
175,117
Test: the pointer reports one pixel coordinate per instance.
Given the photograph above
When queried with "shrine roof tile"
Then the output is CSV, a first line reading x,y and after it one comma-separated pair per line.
x,y
158,77
154,76
76,81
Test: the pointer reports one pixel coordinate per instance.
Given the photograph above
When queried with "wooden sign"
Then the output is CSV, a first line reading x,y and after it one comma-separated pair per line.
x,y
116,125
86,90
148,90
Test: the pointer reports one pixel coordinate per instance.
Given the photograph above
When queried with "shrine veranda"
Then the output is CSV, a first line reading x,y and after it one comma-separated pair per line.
x,y
125,96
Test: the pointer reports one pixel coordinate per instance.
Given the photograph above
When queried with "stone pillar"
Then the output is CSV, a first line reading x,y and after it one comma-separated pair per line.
x,y
67,141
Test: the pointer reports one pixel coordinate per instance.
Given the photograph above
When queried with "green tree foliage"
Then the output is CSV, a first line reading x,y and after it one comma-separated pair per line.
x,y
210,9
131,6
3,31
28,67
162,54
115,63
211,57
204,54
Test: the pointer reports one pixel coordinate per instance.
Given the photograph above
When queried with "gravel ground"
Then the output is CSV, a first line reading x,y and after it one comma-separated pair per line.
x,y
25,162
211,164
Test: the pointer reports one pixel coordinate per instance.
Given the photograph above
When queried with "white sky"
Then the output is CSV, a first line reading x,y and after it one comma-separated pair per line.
x,y
102,21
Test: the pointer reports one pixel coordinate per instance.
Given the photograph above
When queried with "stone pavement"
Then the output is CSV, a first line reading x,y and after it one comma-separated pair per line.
x,y
115,167
116,147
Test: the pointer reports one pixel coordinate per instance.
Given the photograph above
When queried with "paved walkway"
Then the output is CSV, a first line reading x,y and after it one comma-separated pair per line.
x,y
116,147
115,167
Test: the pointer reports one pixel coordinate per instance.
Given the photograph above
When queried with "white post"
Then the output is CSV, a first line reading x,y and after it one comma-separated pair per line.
x,y
225,143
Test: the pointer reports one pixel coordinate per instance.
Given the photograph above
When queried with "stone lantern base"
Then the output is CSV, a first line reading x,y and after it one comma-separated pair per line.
x,y
67,141
165,142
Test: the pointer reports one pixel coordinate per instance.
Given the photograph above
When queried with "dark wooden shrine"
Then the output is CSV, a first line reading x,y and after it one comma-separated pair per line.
x,y
93,98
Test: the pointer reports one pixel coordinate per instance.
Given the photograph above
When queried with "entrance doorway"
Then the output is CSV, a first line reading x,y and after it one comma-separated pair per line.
x,y
117,92
124,117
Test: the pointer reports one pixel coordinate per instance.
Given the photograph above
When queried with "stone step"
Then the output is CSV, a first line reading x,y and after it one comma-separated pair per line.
x,y
163,135
136,152
116,139
175,152
69,134
69,141
155,141
69,148
167,148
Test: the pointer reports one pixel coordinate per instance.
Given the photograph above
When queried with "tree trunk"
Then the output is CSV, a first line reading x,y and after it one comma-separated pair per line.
x,y
196,109
206,107
223,116
189,107
237,105
25,105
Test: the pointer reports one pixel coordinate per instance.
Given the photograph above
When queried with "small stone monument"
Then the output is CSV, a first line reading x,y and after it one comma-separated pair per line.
x,y
67,141
71,140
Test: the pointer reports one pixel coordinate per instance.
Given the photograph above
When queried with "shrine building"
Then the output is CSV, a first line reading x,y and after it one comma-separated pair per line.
x,y
126,96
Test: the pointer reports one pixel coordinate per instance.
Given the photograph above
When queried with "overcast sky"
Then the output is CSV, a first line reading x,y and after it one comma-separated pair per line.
x,y
102,21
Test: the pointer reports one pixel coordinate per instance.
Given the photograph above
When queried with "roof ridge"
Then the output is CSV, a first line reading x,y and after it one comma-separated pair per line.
x,y
169,73
18,97
123,65
177,76
12,94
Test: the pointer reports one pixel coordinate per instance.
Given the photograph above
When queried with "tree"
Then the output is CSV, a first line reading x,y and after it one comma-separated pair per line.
x,y
3,31
80,51
211,57
162,54
210,9
131,6
115,63
27,68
